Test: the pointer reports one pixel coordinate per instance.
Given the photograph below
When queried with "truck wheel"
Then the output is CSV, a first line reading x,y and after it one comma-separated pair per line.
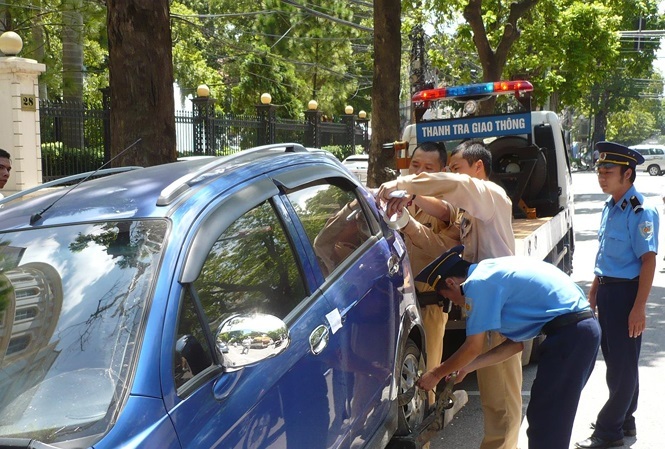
x,y
413,413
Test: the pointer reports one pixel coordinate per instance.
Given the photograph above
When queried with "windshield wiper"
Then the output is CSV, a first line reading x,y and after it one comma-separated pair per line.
x,y
25,443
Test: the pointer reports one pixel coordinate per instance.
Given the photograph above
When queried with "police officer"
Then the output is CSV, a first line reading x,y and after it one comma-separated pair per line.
x,y
485,223
426,236
520,297
625,266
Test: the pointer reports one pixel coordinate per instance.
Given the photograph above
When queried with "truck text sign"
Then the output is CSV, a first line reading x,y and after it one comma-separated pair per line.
x,y
474,127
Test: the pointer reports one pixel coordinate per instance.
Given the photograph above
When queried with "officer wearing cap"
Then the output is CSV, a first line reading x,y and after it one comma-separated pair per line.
x,y
521,297
624,271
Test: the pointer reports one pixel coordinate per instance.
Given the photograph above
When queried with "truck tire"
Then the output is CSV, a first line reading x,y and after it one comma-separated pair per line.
x,y
412,414
506,152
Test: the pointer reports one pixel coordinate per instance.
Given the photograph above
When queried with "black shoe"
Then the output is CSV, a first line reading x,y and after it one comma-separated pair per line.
x,y
626,432
598,443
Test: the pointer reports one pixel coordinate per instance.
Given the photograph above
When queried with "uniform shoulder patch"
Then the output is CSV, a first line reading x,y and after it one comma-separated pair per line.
x,y
635,204
646,229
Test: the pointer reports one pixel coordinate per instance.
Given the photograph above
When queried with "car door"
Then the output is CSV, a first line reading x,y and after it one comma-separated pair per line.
x,y
360,278
246,257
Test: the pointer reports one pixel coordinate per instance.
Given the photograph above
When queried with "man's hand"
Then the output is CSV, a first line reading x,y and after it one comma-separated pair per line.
x,y
385,189
637,322
428,381
396,205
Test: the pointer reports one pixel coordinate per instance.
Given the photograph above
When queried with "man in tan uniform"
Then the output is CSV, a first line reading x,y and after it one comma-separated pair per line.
x,y
485,223
426,237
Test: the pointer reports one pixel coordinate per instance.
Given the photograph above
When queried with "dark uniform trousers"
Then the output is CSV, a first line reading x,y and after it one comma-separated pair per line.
x,y
567,357
621,354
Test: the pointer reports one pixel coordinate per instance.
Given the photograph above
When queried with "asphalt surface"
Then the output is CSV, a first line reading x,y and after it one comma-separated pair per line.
x,y
465,429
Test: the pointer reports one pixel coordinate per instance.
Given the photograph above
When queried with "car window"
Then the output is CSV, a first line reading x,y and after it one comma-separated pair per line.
x,y
72,303
334,221
251,267
192,354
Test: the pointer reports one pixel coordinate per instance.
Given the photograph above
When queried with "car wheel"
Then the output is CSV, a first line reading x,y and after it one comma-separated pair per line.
x,y
413,413
654,170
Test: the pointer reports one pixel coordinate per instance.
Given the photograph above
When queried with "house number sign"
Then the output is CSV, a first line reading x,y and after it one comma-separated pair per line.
x,y
28,103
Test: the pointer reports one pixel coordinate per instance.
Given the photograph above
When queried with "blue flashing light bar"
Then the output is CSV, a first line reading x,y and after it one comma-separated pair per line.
x,y
470,90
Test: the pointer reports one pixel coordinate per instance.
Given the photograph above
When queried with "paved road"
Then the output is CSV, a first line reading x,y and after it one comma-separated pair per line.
x,y
465,430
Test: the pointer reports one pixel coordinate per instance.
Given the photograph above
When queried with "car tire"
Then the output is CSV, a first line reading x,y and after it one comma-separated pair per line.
x,y
412,414
653,170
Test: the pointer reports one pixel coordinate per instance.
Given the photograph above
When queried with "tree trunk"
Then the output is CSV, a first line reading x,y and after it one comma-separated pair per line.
x,y
141,81
37,31
72,73
385,89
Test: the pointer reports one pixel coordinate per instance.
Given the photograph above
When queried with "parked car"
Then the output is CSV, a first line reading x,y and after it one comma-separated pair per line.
x,y
125,302
654,158
358,165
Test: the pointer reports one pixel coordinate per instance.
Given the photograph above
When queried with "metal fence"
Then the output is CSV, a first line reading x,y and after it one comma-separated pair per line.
x,y
76,139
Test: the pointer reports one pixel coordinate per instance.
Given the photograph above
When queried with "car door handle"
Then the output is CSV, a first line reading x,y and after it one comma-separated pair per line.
x,y
393,265
318,339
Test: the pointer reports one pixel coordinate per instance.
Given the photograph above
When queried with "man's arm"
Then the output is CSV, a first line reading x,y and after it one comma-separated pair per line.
x,y
470,349
496,355
637,320
460,190
435,207
432,241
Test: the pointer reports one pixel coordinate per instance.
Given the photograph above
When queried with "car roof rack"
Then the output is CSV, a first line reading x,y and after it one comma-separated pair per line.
x,y
184,183
68,179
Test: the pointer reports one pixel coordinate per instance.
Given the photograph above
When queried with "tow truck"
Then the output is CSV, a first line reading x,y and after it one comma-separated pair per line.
x,y
529,160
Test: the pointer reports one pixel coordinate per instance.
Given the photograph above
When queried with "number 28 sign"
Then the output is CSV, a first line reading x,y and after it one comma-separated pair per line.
x,y
28,103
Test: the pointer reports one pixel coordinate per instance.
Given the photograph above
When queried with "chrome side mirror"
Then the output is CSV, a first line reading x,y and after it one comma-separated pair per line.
x,y
246,339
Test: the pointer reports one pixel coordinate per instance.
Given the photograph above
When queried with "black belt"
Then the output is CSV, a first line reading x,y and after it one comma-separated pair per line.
x,y
566,320
433,299
611,280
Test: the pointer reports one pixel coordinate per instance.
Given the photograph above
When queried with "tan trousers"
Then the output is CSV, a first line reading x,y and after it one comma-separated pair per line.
x,y
434,323
500,389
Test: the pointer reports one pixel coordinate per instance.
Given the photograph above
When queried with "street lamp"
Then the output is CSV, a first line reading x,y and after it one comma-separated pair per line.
x,y
10,43
203,91
312,105
362,115
266,98
348,110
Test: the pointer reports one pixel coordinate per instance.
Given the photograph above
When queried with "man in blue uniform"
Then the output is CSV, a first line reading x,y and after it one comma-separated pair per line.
x,y
625,266
521,297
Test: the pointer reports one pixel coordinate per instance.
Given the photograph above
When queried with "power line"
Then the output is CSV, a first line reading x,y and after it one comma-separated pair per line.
x,y
327,17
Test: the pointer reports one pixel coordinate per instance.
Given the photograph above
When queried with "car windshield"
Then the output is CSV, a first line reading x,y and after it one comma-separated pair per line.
x,y
71,303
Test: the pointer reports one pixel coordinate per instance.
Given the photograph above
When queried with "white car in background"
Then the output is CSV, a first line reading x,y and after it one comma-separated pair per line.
x,y
358,164
654,158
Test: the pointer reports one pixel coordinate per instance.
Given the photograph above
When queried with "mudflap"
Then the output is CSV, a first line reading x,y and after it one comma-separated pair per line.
x,y
448,403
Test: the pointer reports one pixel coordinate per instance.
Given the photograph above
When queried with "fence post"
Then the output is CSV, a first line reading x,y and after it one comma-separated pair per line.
x,y
349,119
106,109
313,132
266,113
19,104
204,113
363,122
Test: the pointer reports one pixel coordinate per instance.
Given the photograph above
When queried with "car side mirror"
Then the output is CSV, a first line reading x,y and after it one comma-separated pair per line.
x,y
246,339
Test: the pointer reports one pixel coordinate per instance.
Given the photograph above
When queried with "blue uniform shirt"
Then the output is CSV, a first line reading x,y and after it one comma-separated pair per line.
x,y
517,296
628,230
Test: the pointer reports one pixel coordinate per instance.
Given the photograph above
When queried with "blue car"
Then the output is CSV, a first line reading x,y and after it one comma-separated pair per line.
x,y
250,301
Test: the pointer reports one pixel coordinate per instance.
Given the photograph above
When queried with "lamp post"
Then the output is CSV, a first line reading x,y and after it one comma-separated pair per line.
x,y
266,113
313,118
350,121
363,122
204,126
